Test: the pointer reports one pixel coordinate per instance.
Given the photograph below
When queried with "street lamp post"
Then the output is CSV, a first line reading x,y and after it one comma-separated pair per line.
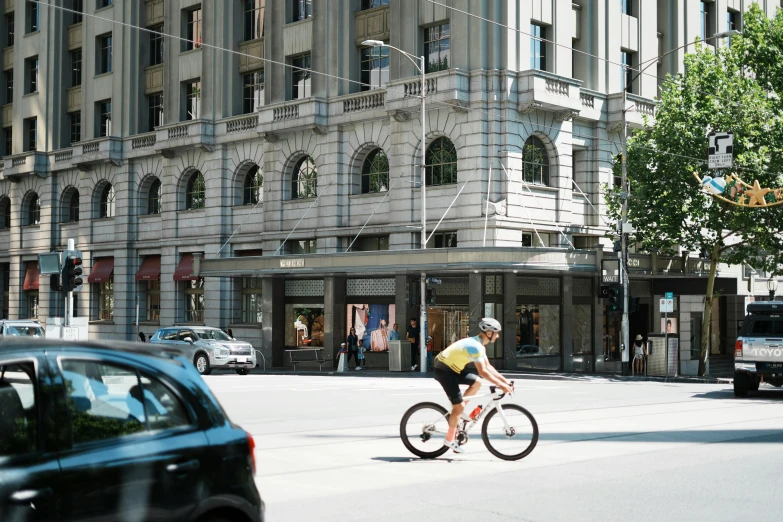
x,y
624,184
772,286
423,284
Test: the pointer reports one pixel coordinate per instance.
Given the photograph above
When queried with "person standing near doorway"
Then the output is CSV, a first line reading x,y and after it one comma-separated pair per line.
x,y
638,355
352,343
413,336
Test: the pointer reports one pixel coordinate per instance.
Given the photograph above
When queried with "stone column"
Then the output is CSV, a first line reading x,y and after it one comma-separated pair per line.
x,y
566,322
273,307
334,314
510,322
476,300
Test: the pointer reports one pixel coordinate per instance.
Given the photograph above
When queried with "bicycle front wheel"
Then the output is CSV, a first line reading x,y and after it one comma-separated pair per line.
x,y
511,435
423,429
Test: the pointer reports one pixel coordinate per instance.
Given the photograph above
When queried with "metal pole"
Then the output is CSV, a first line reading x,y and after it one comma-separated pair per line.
x,y
624,238
666,341
69,311
486,212
137,317
423,318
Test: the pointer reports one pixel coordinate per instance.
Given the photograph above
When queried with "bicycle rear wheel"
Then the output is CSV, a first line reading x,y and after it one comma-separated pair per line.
x,y
423,429
513,438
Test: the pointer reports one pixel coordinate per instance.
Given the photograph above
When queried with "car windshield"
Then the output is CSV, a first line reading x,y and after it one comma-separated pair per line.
x,y
213,335
32,331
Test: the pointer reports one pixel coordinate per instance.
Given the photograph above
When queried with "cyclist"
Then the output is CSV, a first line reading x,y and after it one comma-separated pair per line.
x,y
450,372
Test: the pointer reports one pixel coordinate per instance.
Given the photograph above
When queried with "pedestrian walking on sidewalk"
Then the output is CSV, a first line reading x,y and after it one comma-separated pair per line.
x,y
413,336
360,355
352,343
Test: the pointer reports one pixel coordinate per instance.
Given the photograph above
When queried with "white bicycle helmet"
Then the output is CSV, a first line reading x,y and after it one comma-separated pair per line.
x,y
489,325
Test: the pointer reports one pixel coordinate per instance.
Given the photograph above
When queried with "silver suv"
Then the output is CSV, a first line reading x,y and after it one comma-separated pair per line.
x,y
208,348
21,328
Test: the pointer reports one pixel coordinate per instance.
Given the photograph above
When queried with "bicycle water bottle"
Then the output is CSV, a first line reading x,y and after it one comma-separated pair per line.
x,y
475,413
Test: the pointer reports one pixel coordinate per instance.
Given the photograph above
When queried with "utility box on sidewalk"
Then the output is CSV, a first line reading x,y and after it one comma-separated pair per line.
x,y
399,356
656,358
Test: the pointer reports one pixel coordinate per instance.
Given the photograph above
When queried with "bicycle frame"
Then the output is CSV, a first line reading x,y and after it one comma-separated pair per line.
x,y
495,397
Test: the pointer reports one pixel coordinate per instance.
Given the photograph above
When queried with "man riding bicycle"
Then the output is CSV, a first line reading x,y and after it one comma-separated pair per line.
x,y
450,372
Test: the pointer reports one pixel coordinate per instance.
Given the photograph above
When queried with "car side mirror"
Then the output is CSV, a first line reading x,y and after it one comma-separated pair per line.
x,y
233,338
188,339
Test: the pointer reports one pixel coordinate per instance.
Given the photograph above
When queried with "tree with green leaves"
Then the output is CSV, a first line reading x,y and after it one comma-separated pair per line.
x,y
720,90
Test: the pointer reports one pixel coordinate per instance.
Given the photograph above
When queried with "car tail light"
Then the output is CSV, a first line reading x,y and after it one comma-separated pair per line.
x,y
738,348
251,446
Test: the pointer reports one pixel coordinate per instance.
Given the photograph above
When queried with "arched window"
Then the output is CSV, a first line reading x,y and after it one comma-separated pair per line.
x,y
5,213
535,162
33,210
304,182
195,192
70,206
153,198
252,189
375,172
106,207
441,163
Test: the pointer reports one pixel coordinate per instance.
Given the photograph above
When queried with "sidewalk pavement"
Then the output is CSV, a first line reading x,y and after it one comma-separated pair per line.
x,y
511,374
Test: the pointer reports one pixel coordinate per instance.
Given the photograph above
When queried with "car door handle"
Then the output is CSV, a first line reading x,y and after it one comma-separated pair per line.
x,y
26,496
183,467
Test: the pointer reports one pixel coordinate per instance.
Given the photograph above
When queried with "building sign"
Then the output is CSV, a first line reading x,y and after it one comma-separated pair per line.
x,y
292,263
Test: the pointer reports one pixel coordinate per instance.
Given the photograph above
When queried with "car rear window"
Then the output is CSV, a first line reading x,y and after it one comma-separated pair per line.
x,y
168,335
31,331
764,326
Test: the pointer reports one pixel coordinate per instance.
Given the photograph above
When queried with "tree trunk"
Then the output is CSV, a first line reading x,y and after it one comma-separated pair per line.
x,y
707,319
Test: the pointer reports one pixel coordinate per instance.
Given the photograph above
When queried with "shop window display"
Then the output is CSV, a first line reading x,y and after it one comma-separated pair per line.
x,y
538,335
372,323
447,325
308,326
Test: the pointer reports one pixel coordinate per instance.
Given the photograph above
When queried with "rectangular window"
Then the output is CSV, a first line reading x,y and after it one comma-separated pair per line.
x,y
32,304
370,4
705,15
301,246
251,300
627,73
732,22
303,9
300,78
9,27
254,19
370,243
76,127
9,86
155,104
626,7
106,300
193,29
437,48
443,240
153,300
254,91
527,239
78,7
537,47
193,100
538,331
32,17
194,301
105,49
103,3
9,142
31,130
76,68
32,75
375,67
156,45
104,118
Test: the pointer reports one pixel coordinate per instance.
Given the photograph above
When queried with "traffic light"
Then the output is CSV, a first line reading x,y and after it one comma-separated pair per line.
x,y
72,271
614,296
431,296
54,283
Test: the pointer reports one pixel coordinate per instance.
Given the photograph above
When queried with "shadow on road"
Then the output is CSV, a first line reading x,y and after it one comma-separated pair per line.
x,y
406,460
764,394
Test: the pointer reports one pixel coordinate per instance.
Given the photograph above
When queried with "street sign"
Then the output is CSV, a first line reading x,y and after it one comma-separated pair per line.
x,y
70,333
434,281
667,306
721,151
49,264
669,295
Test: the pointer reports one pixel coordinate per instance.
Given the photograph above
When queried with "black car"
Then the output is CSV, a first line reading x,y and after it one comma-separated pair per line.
x,y
120,432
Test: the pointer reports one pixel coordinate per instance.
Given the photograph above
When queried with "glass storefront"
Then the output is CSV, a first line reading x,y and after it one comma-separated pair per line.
x,y
538,343
304,324
447,324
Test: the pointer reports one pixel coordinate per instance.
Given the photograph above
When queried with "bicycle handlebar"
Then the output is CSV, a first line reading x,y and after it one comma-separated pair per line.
x,y
493,389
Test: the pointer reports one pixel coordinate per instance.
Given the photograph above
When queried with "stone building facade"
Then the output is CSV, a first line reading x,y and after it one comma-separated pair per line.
x,y
153,130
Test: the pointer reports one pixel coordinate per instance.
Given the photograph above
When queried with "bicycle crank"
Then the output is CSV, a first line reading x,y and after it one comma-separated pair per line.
x,y
462,438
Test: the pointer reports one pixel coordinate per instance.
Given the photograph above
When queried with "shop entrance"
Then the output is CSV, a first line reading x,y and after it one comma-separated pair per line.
x,y
447,324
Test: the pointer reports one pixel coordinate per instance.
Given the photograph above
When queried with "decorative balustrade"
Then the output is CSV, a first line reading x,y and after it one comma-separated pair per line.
x,y
91,148
16,162
647,109
557,87
414,88
242,124
287,112
62,156
588,100
180,131
144,142
363,103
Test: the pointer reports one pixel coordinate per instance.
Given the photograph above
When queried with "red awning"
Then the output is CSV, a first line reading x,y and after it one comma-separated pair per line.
x,y
185,269
31,275
101,270
250,253
149,270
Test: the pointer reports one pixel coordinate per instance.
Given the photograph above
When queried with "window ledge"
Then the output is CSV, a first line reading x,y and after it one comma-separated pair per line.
x,y
247,207
149,216
32,33
189,51
149,323
183,323
369,195
31,227
103,74
543,188
29,94
190,211
300,200
100,219
303,21
104,8
68,223
101,321
254,326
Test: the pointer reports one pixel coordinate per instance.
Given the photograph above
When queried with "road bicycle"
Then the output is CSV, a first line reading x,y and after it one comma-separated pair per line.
x,y
509,432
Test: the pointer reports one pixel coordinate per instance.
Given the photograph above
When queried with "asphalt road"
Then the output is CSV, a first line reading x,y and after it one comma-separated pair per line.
x,y
328,449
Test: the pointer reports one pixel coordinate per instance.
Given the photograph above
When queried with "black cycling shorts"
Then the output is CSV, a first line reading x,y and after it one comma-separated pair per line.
x,y
451,380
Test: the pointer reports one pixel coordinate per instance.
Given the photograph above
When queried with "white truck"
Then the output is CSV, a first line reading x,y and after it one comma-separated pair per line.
x,y
758,353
